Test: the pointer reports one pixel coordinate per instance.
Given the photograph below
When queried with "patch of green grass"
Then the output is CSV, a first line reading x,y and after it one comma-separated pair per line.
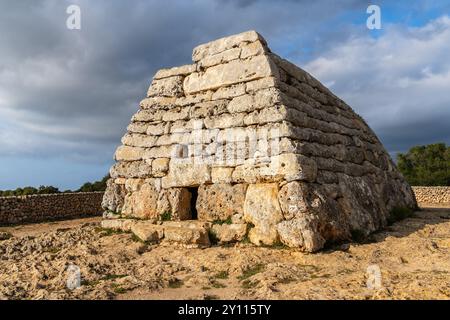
x,y
89,283
276,245
252,271
206,288
107,232
399,213
166,216
222,275
52,250
227,221
113,276
248,284
218,285
118,289
175,283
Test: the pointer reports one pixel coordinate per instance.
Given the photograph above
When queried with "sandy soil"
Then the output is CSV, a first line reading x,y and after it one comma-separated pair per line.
x,y
413,256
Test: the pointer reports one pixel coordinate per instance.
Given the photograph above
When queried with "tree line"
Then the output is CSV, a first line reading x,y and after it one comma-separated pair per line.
x,y
426,165
87,187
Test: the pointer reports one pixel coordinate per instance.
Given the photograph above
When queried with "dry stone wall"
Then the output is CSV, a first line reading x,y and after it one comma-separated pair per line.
x,y
244,135
432,195
41,208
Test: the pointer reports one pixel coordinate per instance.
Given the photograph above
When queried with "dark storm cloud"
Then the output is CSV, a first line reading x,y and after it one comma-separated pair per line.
x,y
399,82
72,93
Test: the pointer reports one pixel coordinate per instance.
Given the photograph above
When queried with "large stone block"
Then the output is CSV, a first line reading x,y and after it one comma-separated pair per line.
x,y
186,173
300,233
167,87
160,167
146,231
142,203
221,174
139,140
126,153
218,202
262,209
114,196
123,225
230,73
222,57
223,44
226,233
176,71
180,203
188,236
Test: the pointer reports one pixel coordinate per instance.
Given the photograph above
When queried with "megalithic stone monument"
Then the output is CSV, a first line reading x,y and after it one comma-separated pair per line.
x,y
250,146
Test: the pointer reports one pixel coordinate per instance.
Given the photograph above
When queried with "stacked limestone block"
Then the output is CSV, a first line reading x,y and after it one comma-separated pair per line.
x,y
269,148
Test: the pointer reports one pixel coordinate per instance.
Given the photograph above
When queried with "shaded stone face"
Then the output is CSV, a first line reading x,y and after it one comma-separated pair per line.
x,y
247,140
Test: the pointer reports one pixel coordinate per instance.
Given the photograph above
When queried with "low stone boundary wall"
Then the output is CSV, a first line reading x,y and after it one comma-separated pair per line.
x,y
437,195
47,207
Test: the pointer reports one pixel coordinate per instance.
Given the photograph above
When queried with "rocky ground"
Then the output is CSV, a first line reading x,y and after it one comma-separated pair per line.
x,y
413,256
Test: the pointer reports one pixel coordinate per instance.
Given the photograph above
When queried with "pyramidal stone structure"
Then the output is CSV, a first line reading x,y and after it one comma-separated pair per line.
x,y
243,144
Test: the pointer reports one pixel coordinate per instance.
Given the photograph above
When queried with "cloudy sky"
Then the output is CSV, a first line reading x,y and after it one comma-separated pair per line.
x,y
66,96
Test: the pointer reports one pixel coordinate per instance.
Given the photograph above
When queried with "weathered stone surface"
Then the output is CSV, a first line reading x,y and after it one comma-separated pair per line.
x,y
220,45
118,224
114,196
157,129
218,202
264,83
224,121
126,153
176,71
160,167
139,140
186,174
229,92
227,74
180,203
189,236
253,49
133,169
193,224
142,203
300,233
156,102
229,232
221,175
251,102
146,231
137,127
288,167
222,57
262,209
167,87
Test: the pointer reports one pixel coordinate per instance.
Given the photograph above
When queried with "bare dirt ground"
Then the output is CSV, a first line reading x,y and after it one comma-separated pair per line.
x,y
413,256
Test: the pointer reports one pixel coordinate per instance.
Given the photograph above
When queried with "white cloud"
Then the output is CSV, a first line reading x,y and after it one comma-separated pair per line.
x,y
399,82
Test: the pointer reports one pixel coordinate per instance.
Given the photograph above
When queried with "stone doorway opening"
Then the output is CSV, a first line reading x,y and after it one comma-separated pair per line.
x,y
193,204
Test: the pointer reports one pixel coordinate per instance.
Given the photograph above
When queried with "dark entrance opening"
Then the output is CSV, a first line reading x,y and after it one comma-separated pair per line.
x,y
194,196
